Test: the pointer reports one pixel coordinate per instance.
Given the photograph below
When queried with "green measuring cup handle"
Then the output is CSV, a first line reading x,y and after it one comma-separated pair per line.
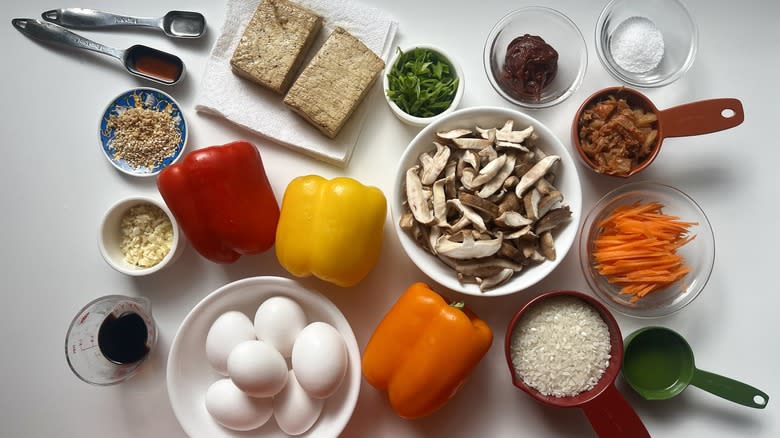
x,y
729,389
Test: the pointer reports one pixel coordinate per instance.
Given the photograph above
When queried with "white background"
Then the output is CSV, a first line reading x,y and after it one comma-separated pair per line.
x,y
55,185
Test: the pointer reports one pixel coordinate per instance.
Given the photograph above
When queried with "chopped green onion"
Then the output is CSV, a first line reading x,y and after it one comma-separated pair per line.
x,y
422,83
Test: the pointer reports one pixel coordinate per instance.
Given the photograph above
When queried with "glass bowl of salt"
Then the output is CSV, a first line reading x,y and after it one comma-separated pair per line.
x,y
646,43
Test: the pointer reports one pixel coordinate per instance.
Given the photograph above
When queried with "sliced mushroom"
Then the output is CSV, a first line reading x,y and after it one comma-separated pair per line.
x,y
547,246
406,222
531,204
511,182
418,203
433,237
472,143
487,155
452,134
552,219
450,187
498,197
489,172
522,168
530,252
470,157
469,248
496,280
488,134
522,232
507,128
467,212
460,224
510,203
549,201
532,176
509,251
512,219
432,166
514,136
545,186
467,178
481,268
439,201
497,182
479,203
510,145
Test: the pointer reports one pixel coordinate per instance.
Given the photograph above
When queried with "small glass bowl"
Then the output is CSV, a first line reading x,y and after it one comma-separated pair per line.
x,y
699,253
558,31
675,23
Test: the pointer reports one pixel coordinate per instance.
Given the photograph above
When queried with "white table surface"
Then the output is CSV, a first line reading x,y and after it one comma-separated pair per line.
x,y
55,186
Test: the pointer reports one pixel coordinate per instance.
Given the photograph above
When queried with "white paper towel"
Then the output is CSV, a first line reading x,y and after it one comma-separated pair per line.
x,y
244,103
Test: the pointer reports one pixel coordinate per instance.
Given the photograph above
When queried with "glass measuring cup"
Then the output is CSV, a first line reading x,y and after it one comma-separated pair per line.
x,y
110,338
658,365
608,412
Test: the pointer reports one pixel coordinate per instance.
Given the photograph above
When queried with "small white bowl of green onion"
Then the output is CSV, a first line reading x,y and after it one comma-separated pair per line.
x,y
421,84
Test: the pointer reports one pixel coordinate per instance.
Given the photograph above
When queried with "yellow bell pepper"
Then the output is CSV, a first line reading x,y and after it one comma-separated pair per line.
x,y
331,229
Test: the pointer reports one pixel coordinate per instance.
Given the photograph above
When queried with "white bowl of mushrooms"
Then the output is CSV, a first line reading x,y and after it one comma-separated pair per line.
x,y
486,201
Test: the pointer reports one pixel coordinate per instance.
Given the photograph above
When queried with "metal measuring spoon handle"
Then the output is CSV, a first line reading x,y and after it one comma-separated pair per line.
x,y
80,18
49,32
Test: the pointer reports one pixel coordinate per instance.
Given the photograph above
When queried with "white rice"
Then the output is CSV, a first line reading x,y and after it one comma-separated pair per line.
x,y
560,347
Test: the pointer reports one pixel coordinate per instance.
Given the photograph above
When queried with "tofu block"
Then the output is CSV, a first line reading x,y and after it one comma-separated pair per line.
x,y
334,82
274,44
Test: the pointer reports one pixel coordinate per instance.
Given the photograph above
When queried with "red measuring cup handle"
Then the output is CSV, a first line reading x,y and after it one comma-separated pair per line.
x,y
702,117
612,417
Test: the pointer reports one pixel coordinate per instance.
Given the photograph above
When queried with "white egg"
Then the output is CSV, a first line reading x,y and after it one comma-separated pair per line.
x,y
229,330
234,409
257,368
278,321
296,411
319,359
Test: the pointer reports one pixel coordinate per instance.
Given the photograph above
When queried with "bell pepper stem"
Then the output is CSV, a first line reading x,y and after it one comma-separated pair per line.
x,y
458,304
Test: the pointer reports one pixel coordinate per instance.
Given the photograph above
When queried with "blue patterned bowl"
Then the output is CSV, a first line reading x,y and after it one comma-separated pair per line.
x,y
146,98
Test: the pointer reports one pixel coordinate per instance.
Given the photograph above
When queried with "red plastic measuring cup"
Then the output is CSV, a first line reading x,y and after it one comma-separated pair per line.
x,y
608,412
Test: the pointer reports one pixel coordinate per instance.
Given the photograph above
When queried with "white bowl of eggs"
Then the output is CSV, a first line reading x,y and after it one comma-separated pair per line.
x,y
264,357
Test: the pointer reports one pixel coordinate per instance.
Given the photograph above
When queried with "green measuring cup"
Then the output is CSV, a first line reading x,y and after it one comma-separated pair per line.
x,y
658,364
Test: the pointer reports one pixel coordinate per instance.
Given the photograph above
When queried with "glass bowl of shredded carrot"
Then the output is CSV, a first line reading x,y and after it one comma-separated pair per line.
x,y
647,249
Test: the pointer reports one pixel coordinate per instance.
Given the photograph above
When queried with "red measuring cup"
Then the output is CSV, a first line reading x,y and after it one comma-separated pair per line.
x,y
608,412
694,118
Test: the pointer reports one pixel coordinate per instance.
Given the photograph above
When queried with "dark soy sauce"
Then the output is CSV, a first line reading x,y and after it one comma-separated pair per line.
x,y
123,339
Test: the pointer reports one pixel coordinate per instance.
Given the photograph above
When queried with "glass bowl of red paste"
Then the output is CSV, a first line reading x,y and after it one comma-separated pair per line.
x,y
535,57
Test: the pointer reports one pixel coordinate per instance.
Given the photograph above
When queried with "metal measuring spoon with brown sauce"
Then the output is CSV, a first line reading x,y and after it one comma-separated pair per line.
x,y
139,60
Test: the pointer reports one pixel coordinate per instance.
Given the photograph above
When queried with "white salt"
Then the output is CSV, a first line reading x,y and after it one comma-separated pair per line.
x,y
561,347
637,45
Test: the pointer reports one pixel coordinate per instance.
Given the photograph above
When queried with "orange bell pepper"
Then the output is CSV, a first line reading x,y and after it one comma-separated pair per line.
x,y
423,351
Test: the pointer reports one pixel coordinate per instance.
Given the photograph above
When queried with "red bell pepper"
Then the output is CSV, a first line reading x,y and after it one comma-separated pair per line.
x,y
223,201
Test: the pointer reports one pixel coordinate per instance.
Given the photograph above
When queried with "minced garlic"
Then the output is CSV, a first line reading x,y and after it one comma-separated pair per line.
x,y
147,235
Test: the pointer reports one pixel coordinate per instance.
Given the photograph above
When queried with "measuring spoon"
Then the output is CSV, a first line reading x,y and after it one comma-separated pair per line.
x,y
695,118
141,61
658,364
176,24
608,412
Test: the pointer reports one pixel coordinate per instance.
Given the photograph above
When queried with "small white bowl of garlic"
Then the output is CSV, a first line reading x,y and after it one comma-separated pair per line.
x,y
139,236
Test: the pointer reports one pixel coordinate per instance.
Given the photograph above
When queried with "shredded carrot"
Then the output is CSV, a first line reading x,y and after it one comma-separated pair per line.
x,y
637,249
